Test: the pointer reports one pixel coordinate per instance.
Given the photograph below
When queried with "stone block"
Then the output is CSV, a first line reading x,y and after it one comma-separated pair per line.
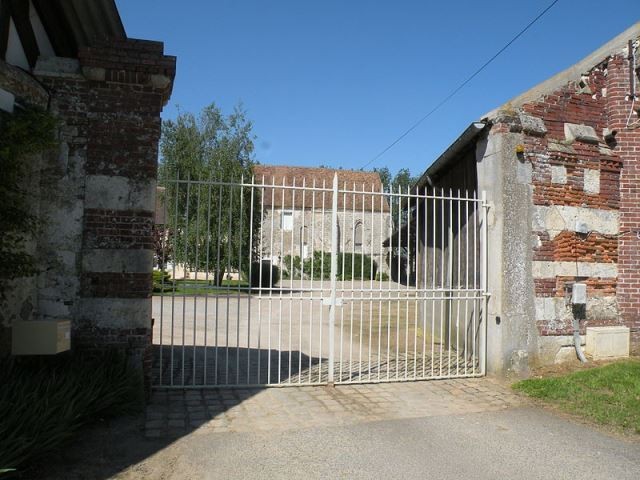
x,y
545,308
94,73
57,66
608,342
557,349
559,147
117,312
592,181
119,193
524,173
532,125
559,174
555,219
581,133
117,261
548,269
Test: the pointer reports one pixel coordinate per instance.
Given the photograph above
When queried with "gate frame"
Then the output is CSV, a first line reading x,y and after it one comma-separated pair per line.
x,y
332,300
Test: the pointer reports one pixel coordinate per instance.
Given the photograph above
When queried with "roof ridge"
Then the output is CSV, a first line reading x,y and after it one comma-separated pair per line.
x,y
573,73
316,168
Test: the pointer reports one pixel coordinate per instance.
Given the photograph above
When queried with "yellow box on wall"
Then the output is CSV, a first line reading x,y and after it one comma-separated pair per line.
x,y
41,337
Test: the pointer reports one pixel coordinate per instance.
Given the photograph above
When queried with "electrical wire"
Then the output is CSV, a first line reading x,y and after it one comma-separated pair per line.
x,y
459,87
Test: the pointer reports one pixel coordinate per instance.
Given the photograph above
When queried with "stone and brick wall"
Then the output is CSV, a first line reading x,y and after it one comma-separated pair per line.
x,y
585,199
20,300
110,102
96,195
628,148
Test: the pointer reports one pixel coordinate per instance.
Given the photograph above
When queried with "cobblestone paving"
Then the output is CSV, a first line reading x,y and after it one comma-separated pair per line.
x,y
177,412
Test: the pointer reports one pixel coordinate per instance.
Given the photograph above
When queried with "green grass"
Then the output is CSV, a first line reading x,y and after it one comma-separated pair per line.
x,y
608,395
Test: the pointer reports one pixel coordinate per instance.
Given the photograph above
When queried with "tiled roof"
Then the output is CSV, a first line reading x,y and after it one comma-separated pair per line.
x,y
350,180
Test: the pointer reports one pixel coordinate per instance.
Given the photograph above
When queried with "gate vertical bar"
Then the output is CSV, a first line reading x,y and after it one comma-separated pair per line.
x,y
334,272
484,279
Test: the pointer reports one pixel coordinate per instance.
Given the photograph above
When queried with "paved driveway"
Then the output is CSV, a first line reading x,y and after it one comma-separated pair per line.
x,y
453,429
520,443
467,428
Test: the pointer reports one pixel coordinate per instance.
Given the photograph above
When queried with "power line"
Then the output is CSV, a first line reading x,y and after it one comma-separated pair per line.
x,y
459,87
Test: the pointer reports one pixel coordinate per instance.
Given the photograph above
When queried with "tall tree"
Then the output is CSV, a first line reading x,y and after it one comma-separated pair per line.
x,y
400,181
212,230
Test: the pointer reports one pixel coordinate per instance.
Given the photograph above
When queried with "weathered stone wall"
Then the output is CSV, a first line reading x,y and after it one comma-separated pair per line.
x,y
22,293
375,228
96,195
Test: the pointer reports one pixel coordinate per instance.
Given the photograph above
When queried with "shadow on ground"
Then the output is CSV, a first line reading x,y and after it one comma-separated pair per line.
x,y
233,366
109,446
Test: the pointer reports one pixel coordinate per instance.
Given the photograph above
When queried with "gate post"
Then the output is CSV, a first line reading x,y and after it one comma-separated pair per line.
x,y
334,272
484,282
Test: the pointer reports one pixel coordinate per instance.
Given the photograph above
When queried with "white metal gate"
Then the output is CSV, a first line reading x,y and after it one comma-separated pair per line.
x,y
297,282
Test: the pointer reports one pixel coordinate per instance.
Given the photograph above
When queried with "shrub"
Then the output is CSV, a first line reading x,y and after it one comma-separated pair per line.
x,y
270,275
357,266
382,277
161,281
44,400
321,265
291,267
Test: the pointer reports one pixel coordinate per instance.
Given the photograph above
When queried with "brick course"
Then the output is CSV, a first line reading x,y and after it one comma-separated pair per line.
x,y
125,229
571,246
555,287
116,285
110,111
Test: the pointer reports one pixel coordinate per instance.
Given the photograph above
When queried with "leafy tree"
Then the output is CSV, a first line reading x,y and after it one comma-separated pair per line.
x,y
403,180
212,229
385,175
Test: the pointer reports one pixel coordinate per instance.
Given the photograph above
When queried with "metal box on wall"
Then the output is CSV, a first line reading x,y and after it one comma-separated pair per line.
x,y
608,342
41,337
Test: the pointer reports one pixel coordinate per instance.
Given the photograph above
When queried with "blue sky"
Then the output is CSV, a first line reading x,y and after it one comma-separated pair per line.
x,y
334,82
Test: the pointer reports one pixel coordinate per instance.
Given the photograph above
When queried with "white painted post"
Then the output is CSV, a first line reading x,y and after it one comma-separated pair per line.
x,y
483,282
334,273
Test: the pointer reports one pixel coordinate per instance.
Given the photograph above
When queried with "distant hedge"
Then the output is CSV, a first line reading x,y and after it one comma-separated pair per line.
x,y
357,266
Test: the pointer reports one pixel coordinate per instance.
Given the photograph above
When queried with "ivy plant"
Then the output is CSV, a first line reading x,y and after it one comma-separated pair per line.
x,y
24,133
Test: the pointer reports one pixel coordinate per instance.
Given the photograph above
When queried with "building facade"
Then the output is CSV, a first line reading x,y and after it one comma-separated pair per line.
x,y
94,193
560,165
297,221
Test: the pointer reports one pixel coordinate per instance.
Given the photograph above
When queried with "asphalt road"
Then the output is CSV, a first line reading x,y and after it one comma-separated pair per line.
x,y
517,443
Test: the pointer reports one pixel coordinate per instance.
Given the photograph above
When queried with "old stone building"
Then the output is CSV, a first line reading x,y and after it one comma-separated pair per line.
x,y
94,195
560,165
298,221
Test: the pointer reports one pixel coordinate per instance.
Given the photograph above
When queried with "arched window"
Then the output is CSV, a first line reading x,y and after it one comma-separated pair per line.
x,y
357,234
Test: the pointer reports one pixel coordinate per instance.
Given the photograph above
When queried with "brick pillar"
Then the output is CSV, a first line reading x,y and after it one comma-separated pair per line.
x,y
627,146
110,101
